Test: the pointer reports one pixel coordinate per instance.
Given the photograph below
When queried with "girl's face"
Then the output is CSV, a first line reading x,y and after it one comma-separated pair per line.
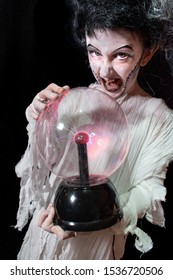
x,y
115,58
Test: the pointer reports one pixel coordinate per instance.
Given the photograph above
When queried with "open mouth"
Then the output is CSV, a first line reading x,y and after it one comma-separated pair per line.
x,y
112,85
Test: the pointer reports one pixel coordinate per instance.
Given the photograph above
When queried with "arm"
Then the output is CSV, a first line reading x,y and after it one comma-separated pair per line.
x,y
31,169
148,191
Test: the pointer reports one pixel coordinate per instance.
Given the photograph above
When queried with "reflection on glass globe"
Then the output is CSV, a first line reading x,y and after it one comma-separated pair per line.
x,y
99,117
83,138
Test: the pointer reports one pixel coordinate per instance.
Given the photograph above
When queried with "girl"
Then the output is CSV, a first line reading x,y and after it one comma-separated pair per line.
x,y
120,38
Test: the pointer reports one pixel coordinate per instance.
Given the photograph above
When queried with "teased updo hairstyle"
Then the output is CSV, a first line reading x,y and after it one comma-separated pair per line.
x,y
152,19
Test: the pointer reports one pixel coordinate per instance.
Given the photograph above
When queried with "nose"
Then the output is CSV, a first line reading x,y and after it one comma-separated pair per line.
x,y
106,69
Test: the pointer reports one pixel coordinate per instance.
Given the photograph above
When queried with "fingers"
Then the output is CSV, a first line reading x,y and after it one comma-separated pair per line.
x,y
46,218
51,92
46,222
61,233
40,101
57,89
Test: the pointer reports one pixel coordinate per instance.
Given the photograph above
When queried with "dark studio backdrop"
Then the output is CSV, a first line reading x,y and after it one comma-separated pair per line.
x,y
35,50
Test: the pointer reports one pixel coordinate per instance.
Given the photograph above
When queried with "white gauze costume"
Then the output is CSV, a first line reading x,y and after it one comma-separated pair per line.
x,y
139,182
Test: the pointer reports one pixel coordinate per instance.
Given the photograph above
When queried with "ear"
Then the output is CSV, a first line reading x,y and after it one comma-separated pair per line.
x,y
147,55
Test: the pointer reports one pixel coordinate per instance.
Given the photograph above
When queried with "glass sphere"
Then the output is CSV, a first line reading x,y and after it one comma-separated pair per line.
x,y
84,116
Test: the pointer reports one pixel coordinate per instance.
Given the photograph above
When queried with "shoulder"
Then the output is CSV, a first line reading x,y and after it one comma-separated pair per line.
x,y
150,106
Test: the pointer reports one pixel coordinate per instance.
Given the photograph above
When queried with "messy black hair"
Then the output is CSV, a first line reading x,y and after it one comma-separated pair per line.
x,y
152,19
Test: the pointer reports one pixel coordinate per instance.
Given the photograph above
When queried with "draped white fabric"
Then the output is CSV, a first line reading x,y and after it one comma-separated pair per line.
x,y
139,182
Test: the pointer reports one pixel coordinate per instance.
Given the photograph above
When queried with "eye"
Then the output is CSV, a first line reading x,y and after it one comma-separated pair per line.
x,y
94,53
122,55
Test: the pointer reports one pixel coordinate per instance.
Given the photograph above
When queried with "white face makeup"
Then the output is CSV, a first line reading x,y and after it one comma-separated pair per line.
x,y
115,58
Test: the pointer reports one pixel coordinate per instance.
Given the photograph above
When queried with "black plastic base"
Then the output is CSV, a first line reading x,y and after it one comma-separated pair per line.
x,y
88,226
87,207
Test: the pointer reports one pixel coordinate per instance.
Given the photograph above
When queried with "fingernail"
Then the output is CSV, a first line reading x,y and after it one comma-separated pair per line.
x,y
66,87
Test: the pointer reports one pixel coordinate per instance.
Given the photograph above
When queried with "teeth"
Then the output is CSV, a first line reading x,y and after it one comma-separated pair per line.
x,y
112,84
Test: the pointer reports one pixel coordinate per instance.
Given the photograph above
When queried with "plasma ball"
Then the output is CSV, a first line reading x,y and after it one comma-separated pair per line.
x,y
81,137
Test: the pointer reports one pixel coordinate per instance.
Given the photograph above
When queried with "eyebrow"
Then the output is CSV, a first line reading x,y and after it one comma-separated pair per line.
x,y
123,47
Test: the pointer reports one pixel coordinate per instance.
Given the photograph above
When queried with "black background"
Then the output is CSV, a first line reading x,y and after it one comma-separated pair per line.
x,y
35,50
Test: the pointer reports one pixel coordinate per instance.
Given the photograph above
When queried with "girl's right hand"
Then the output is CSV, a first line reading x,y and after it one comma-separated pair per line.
x,y
41,100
